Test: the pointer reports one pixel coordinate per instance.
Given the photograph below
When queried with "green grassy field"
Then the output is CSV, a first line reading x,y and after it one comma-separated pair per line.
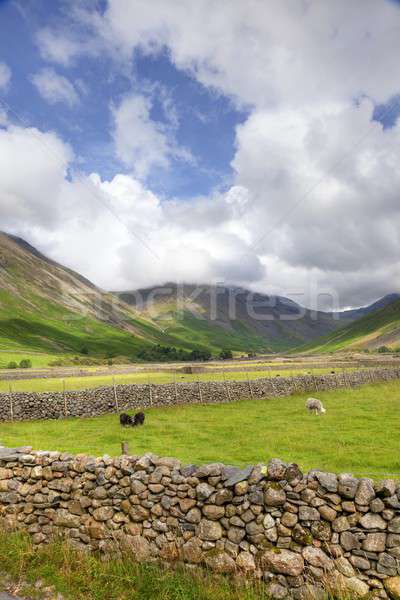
x,y
379,328
358,434
55,384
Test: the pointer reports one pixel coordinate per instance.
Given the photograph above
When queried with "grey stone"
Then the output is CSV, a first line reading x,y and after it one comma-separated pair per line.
x,y
307,513
238,476
374,542
372,521
283,561
361,563
365,492
386,488
329,481
276,469
209,530
274,496
317,558
348,485
394,525
349,541
204,491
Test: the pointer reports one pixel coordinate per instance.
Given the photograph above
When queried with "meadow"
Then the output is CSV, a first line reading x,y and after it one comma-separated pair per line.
x,y
57,384
358,434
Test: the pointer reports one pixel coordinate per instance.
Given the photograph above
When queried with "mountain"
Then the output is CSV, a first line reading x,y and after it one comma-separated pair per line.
x,y
48,308
378,328
220,316
357,313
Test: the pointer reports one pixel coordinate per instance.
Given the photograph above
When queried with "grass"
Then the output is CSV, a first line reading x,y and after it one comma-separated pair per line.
x,y
55,384
82,576
382,327
189,328
79,576
358,434
39,360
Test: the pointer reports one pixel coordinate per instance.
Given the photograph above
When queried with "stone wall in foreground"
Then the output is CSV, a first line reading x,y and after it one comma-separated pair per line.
x,y
86,403
296,532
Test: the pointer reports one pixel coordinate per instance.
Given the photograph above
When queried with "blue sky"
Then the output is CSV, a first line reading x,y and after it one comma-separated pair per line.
x,y
207,119
250,142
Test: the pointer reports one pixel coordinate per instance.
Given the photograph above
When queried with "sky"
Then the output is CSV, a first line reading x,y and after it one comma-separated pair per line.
x,y
252,143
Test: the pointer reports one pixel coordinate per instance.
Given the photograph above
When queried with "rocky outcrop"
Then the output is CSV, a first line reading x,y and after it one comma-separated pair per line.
x,y
298,533
92,402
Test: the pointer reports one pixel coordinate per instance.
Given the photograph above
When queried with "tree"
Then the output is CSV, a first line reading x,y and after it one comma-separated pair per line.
x,y
84,350
383,349
201,355
12,365
25,364
226,354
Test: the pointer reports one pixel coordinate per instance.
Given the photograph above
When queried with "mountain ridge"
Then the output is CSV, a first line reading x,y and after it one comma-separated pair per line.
x,y
46,307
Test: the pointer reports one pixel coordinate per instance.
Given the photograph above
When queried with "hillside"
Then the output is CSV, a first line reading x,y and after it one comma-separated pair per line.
x,y
48,312
379,328
49,309
230,317
357,313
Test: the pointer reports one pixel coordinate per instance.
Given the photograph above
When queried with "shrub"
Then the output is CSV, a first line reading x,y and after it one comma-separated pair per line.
x,y
383,349
170,354
226,354
84,350
12,365
25,364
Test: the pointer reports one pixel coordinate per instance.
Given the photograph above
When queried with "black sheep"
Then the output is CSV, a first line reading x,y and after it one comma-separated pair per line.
x,y
138,419
125,420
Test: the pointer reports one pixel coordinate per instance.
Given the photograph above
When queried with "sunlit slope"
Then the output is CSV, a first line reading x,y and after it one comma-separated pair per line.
x,y
47,308
380,328
237,318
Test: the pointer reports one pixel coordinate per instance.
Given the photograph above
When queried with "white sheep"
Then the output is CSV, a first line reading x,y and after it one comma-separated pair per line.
x,y
314,405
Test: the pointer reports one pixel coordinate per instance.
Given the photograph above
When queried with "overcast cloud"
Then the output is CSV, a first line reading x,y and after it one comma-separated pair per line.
x,y
314,201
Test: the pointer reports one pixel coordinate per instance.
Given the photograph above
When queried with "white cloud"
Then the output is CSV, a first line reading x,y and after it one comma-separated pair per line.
x,y
320,175
142,143
270,53
314,200
5,76
55,88
56,47
33,167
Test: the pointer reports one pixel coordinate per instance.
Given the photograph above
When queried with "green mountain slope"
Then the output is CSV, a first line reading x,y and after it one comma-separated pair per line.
x,y
379,328
48,309
236,318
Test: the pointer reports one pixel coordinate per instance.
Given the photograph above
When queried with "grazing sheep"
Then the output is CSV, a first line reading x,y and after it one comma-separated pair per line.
x,y
138,419
125,420
314,405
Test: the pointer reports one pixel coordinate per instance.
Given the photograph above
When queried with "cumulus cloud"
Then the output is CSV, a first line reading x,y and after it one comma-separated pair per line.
x,y
270,53
313,206
55,88
33,167
142,143
320,174
116,232
5,76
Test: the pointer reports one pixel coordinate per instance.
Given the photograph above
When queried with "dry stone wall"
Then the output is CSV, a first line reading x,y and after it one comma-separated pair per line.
x,y
298,533
91,402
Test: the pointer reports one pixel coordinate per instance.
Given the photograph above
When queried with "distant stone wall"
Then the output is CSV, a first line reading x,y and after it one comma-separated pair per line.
x,y
296,532
91,402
